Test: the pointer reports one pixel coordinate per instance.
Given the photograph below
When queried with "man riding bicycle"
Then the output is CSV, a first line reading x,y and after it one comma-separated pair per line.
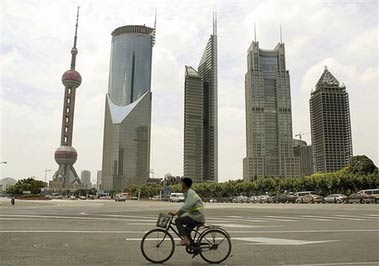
x,y
191,214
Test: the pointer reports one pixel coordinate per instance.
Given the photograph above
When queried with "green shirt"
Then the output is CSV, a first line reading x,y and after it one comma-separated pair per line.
x,y
193,206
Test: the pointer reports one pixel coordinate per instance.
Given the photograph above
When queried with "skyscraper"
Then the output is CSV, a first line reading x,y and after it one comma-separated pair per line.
x,y
200,115
304,152
99,180
330,124
126,146
269,146
85,177
66,155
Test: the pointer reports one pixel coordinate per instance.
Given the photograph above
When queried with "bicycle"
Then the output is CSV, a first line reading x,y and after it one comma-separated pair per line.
x,y
212,242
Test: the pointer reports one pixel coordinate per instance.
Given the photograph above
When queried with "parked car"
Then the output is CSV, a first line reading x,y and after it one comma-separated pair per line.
x,y
73,198
83,197
335,198
310,198
177,197
284,198
240,199
156,197
253,199
264,199
373,194
120,197
358,198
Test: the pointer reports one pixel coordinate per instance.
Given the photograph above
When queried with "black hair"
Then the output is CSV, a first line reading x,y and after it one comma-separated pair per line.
x,y
187,181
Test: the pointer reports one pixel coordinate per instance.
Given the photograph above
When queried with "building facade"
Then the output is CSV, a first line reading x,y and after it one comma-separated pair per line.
x,y
99,179
85,177
269,143
200,115
127,127
305,155
330,124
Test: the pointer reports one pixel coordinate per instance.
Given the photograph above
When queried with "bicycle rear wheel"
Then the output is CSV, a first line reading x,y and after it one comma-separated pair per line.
x,y
215,246
157,246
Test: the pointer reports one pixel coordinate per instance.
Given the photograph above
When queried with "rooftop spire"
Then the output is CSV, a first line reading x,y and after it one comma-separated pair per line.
x,y
74,51
255,33
280,29
214,23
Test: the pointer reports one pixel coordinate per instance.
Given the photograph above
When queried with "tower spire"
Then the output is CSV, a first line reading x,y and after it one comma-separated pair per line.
x,y
255,33
214,23
74,51
280,29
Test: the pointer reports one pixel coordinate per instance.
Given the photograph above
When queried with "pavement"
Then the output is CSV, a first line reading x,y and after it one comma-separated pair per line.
x,y
108,233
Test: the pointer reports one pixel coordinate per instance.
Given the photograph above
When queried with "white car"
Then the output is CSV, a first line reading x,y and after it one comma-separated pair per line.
x,y
177,197
120,197
335,198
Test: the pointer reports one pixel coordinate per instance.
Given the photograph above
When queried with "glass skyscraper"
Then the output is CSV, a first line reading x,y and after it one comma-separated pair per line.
x,y
126,147
200,115
269,143
330,124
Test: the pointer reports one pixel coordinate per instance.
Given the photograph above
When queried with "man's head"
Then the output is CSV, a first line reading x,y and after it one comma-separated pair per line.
x,y
186,183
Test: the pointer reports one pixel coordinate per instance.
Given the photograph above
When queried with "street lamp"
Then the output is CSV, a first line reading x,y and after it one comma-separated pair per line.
x,y
3,172
46,170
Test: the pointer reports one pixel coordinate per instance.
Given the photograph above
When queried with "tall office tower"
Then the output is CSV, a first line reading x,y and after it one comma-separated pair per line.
x,y
269,144
126,146
66,155
99,180
330,124
200,115
193,125
304,152
85,177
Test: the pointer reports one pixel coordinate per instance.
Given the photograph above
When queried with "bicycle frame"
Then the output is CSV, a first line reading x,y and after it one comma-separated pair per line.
x,y
170,226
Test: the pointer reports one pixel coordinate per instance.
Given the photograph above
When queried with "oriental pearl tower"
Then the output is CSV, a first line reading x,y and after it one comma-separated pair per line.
x,y
66,176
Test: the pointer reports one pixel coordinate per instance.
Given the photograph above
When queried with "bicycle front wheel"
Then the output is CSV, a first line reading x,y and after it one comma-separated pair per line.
x,y
157,246
215,246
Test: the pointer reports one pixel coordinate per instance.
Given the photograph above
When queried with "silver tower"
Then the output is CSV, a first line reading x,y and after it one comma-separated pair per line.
x,y
200,115
66,155
126,146
269,143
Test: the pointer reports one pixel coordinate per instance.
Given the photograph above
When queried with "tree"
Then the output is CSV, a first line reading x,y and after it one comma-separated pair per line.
x,y
27,184
361,165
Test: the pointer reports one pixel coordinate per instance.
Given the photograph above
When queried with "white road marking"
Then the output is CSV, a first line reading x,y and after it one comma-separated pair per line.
x,y
279,241
69,217
356,217
332,218
237,225
231,232
356,263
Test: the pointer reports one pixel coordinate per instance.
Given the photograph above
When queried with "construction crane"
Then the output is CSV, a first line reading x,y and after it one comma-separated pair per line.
x,y
301,134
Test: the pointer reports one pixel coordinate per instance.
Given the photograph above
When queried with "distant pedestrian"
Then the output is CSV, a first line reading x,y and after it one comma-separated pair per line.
x,y
13,200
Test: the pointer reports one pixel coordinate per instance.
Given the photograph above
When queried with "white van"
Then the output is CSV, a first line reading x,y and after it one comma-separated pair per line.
x,y
373,194
176,197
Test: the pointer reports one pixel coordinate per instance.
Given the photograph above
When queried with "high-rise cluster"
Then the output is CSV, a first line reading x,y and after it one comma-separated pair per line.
x,y
271,150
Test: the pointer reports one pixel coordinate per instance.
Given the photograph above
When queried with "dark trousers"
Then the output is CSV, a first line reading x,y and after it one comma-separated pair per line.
x,y
185,226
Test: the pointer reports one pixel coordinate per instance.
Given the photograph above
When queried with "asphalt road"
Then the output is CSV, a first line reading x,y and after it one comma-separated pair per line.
x,y
106,233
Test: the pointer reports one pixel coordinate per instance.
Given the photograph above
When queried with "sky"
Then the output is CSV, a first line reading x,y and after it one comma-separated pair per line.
x,y
37,36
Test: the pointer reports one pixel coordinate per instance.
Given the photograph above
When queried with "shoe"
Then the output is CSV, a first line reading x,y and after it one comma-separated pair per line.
x,y
183,243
